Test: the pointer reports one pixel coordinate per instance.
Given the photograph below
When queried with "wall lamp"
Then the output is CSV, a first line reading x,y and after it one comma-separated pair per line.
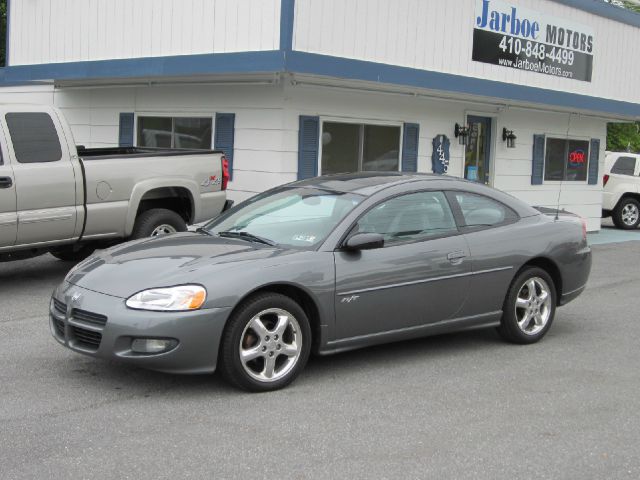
x,y
509,137
461,132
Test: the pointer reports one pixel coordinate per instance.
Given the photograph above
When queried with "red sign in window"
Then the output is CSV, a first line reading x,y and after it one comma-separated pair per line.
x,y
577,157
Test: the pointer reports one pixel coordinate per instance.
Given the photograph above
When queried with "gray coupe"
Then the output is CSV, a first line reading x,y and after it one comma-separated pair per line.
x,y
325,265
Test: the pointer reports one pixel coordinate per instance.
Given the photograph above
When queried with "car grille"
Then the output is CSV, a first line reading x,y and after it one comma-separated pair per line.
x,y
59,326
59,307
88,317
85,328
86,338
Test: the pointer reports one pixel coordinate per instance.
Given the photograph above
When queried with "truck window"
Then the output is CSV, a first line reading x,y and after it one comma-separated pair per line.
x,y
34,137
624,166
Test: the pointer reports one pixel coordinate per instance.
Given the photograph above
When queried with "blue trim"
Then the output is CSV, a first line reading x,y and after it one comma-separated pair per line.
x,y
8,30
273,61
315,64
287,15
183,65
603,9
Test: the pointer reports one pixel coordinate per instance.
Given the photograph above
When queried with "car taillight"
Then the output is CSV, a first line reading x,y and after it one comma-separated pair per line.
x,y
605,179
584,228
225,173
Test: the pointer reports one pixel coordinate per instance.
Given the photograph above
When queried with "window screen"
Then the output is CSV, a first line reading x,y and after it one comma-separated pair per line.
x,y
566,160
624,166
175,132
34,137
352,147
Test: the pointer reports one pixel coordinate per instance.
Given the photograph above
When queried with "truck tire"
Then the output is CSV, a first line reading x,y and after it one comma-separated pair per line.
x,y
157,221
626,215
73,253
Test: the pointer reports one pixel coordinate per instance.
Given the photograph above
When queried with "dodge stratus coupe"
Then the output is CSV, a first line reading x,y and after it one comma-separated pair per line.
x,y
325,265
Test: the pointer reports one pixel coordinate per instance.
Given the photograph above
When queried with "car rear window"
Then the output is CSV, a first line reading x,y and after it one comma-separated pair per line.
x,y
624,166
34,137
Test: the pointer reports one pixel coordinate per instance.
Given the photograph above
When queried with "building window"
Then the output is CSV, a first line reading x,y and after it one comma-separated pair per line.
x,y
352,147
566,160
175,132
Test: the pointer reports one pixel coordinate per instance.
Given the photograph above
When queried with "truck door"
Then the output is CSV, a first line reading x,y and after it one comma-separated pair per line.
x,y
44,178
8,217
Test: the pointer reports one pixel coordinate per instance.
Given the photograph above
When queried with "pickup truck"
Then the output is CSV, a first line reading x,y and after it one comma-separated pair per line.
x,y
67,200
621,196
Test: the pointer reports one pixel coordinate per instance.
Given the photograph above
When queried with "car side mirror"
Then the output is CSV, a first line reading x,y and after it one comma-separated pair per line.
x,y
364,241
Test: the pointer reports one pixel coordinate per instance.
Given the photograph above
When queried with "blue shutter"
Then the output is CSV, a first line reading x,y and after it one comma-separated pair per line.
x,y
410,147
224,136
537,168
125,132
594,158
308,141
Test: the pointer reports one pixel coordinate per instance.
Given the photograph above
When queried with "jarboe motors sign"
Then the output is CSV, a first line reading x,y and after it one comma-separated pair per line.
x,y
523,39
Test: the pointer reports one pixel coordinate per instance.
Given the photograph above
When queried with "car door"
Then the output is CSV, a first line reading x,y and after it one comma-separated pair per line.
x,y
8,217
491,231
44,176
420,276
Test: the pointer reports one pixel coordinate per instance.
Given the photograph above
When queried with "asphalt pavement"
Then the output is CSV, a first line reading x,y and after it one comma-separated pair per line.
x,y
455,406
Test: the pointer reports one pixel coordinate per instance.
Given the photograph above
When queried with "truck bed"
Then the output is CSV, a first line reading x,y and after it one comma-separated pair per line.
x,y
136,152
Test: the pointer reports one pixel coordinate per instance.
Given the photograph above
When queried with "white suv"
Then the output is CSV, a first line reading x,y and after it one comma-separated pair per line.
x,y
621,197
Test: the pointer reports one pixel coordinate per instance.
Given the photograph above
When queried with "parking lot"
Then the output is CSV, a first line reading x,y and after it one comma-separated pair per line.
x,y
455,406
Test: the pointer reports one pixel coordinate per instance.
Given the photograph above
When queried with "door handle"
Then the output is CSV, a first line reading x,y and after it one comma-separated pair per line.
x,y
458,255
6,182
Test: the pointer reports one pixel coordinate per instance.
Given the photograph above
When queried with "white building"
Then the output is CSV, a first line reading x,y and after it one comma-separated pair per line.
x,y
294,88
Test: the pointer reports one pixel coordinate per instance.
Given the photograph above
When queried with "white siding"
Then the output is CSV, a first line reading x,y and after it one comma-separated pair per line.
x,y
438,36
511,167
53,31
266,142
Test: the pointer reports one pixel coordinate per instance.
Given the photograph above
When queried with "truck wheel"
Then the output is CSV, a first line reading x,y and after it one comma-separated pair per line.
x,y
626,215
157,221
73,254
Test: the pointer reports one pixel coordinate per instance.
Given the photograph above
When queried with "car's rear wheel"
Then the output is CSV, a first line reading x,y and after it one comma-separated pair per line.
x,y
266,343
529,308
156,222
626,215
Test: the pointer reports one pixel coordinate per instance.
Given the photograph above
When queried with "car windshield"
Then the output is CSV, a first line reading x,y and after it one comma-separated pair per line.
x,y
292,217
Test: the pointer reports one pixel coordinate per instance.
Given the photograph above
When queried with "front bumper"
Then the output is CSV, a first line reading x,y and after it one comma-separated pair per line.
x,y
102,326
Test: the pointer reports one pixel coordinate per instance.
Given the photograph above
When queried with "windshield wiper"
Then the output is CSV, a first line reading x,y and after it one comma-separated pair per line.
x,y
247,236
204,231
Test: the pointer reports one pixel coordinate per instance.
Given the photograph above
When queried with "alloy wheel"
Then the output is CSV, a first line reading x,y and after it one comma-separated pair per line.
x,y
270,345
163,229
630,214
533,306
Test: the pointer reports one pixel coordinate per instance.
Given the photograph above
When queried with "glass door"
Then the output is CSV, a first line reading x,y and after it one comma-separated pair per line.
x,y
477,154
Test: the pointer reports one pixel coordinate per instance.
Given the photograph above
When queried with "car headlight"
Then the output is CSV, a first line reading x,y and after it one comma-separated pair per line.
x,y
173,299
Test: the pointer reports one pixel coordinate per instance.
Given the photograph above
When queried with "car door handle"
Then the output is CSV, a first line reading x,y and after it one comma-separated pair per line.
x,y
456,256
6,182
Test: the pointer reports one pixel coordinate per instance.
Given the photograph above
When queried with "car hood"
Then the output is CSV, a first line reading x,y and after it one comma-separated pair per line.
x,y
169,260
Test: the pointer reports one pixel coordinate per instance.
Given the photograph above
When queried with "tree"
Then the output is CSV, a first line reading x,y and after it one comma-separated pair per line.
x,y
622,137
633,6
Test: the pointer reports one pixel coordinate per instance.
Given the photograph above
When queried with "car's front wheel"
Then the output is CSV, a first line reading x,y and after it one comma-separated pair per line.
x,y
626,215
529,308
266,343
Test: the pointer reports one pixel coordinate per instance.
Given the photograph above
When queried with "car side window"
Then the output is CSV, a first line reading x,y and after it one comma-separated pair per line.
x,y
410,217
34,137
624,166
478,210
